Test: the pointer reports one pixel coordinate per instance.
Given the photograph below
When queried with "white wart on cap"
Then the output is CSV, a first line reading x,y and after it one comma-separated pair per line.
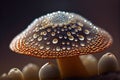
x,y
61,34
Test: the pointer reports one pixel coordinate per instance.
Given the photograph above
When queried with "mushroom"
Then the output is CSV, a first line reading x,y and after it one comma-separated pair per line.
x,y
4,76
15,74
30,72
62,36
108,63
49,71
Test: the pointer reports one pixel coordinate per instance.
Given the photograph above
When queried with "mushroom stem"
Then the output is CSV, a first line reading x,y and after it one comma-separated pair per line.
x,y
71,67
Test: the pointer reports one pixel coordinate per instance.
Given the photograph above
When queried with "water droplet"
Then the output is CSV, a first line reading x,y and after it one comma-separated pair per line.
x,y
76,40
76,30
79,28
63,43
36,29
31,39
55,30
65,26
82,44
48,30
60,36
89,38
80,24
65,37
53,49
41,47
68,43
39,38
73,44
69,28
48,43
71,38
81,37
58,31
43,33
73,26
63,48
53,33
35,35
36,44
66,29
62,29
73,32
68,48
57,48
87,31
76,45
47,47
68,33
55,41
45,38
26,43
85,20
37,24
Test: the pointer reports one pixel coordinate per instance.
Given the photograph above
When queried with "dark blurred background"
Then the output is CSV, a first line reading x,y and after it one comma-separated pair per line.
x,y
15,15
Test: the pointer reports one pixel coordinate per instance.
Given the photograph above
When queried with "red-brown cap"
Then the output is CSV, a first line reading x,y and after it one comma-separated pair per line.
x,y
61,34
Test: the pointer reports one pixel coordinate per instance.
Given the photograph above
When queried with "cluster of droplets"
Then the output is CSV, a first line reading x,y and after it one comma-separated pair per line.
x,y
59,38
57,18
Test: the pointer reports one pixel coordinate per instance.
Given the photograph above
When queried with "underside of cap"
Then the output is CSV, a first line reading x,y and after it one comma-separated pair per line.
x,y
59,35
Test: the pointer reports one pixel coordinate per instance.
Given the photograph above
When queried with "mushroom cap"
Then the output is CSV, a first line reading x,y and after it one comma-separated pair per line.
x,y
61,34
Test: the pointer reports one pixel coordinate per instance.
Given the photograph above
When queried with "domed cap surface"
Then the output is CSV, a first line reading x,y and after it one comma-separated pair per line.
x,y
61,34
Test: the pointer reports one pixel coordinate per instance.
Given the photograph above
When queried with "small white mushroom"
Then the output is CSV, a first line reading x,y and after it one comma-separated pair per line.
x,y
4,76
15,74
90,63
30,72
107,63
49,72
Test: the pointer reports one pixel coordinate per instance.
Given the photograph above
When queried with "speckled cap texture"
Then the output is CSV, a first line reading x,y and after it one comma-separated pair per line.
x,y
61,34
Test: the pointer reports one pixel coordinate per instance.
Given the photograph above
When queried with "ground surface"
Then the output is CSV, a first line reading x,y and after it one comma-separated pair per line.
x,y
107,76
